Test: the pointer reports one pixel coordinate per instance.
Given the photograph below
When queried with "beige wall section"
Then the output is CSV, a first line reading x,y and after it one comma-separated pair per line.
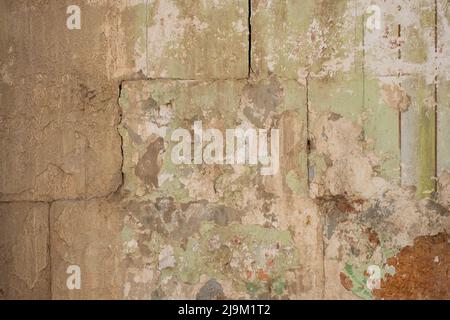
x,y
87,234
24,251
59,93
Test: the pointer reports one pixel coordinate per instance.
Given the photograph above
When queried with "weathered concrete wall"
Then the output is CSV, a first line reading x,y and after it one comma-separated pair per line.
x,y
87,178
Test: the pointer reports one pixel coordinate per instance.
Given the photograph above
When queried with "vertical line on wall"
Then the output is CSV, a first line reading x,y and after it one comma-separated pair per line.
x,y
436,131
249,22
308,136
146,38
399,33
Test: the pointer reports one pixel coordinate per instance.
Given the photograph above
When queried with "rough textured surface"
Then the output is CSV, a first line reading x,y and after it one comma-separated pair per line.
x,y
421,271
148,169
24,251
197,40
58,101
188,225
87,177
87,234
356,239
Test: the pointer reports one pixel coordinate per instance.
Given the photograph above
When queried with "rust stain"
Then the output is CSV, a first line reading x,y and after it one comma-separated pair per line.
x,y
346,281
422,271
262,275
348,206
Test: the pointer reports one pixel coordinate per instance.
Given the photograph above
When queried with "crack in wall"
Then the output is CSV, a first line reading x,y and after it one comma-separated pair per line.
x,y
49,248
436,131
249,22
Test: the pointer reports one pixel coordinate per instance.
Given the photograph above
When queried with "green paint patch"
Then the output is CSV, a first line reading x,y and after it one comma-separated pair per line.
x,y
127,233
279,286
359,281
293,182
253,257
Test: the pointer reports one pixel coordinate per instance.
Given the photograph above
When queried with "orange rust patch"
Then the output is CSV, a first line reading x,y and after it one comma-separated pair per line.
x,y
262,275
346,281
422,271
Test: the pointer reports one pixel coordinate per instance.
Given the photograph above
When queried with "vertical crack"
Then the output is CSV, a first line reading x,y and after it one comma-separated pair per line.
x,y
308,136
146,39
122,179
249,22
49,249
436,131
399,56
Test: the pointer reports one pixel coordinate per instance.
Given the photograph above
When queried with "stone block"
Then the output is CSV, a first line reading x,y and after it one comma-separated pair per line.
x,y
59,91
86,234
24,251
197,40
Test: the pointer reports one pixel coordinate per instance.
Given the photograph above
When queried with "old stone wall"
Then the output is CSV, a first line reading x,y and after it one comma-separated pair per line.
x,y
359,93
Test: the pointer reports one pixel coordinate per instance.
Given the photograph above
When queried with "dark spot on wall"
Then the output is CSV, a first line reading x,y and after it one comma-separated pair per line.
x,y
147,168
211,290
441,210
373,237
266,96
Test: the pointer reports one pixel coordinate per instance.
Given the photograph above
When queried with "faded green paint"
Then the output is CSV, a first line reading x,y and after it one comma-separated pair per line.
x,y
359,281
335,83
419,123
443,88
185,40
127,233
381,129
426,183
240,253
281,24
293,182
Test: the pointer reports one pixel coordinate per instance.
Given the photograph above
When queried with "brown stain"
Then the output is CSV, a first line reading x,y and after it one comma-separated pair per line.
x,y
148,167
348,206
395,97
373,236
346,281
422,271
